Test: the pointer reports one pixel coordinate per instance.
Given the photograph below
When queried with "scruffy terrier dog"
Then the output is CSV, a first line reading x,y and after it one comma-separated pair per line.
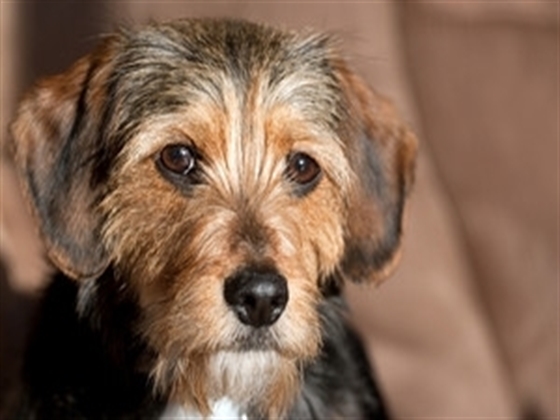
x,y
204,189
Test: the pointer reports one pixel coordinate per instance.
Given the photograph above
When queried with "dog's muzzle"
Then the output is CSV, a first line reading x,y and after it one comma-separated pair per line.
x,y
257,296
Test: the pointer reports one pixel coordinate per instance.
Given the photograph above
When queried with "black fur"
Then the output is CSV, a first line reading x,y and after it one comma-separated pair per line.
x,y
88,366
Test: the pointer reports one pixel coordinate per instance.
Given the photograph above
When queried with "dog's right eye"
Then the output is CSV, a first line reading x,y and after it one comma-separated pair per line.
x,y
177,158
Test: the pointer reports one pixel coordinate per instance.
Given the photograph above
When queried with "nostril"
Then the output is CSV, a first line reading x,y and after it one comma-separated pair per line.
x,y
249,301
258,297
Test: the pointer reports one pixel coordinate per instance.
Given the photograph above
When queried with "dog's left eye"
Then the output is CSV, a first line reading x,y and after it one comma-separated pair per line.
x,y
302,169
177,158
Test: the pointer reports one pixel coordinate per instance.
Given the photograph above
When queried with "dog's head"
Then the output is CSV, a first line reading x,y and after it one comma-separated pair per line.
x,y
227,172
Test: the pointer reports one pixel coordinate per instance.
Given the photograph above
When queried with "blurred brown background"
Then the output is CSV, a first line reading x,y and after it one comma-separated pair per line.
x,y
469,325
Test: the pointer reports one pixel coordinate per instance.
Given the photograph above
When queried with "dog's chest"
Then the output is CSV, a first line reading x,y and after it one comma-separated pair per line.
x,y
222,409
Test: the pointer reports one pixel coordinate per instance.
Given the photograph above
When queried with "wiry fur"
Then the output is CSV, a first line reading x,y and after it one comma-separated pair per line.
x,y
244,97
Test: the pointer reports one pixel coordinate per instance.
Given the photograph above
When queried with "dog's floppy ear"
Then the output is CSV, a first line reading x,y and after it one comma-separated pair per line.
x,y
382,154
53,141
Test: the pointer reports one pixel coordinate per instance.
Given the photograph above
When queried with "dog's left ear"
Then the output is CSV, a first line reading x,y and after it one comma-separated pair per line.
x,y
53,141
382,153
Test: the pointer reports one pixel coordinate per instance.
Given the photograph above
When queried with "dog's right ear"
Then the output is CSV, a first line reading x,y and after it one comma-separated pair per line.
x,y
54,138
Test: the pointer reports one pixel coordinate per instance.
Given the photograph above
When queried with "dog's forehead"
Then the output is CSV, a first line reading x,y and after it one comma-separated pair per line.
x,y
201,50
162,69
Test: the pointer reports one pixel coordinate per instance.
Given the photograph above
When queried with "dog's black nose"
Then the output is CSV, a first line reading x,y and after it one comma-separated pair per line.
x,y
257,296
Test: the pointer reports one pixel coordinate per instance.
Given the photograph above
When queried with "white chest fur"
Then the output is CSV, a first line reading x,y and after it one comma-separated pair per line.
x,y
223,409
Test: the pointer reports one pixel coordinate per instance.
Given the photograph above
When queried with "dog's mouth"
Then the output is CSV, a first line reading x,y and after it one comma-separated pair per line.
x,y
256,339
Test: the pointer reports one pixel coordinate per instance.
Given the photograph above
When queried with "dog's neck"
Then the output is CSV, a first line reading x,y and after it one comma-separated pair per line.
x,y
222,409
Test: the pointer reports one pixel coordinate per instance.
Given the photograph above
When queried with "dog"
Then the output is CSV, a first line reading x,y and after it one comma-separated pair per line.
x,y
204,189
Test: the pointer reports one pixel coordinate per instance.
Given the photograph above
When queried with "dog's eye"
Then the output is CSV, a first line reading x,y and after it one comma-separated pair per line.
x,y
177,158
302,169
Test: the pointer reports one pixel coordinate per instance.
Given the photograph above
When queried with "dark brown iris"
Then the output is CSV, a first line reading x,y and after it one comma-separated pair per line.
x,y
302,169
177,158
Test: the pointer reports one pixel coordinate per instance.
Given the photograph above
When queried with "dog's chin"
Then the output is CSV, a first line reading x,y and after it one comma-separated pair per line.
x,y
254,378
243,372
255,381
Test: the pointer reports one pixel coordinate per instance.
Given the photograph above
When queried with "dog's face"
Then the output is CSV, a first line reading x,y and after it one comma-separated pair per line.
x,y
227,172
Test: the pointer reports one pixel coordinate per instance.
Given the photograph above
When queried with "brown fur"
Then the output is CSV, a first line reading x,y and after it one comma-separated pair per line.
x,y
176,248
